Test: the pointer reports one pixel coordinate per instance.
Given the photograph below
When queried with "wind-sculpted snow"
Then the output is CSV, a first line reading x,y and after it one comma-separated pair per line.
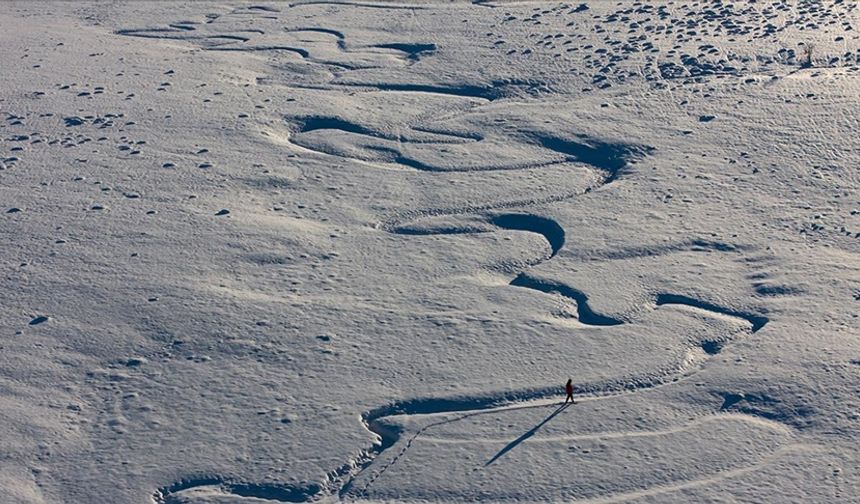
x,y
338,136
354,479
332,49
420,148
588,316
350,251
350,481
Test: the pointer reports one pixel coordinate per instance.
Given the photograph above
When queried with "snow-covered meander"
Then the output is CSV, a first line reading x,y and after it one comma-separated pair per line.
x,y
351,251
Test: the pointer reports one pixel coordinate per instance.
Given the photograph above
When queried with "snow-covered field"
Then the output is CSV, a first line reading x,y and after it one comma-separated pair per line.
x,y
351,251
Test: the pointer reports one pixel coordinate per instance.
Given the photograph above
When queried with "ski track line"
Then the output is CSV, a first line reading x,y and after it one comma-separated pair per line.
x,y
624,434
712,479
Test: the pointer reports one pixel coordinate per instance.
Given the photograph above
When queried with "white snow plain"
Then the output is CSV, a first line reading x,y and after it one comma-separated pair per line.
x,y
350,251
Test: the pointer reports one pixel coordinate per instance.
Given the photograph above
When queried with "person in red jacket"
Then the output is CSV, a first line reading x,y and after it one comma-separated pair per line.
x,y
568,388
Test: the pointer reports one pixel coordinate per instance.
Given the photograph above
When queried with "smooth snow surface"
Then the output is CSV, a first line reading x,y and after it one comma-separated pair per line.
x,y
351,251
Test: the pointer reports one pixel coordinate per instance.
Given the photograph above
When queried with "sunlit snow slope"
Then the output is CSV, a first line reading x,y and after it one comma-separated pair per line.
x,y
332,251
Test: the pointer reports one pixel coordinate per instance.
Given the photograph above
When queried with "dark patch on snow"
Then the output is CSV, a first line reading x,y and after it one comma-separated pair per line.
x,y
765,406
712,347
313,123
73,121
413,51
264,8
730,400
274,492
776,290
608,157
279,493
439,230
268,258
698,245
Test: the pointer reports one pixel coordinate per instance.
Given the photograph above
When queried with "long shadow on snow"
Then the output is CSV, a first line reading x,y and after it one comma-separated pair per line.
x,y
413,51
531,432
390,435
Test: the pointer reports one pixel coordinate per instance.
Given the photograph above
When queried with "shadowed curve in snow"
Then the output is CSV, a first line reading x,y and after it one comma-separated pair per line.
x,y
271,492
609,157
544,226
301,52
490,92
312,123
588,316
584,312
757,321
413,51
548,228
